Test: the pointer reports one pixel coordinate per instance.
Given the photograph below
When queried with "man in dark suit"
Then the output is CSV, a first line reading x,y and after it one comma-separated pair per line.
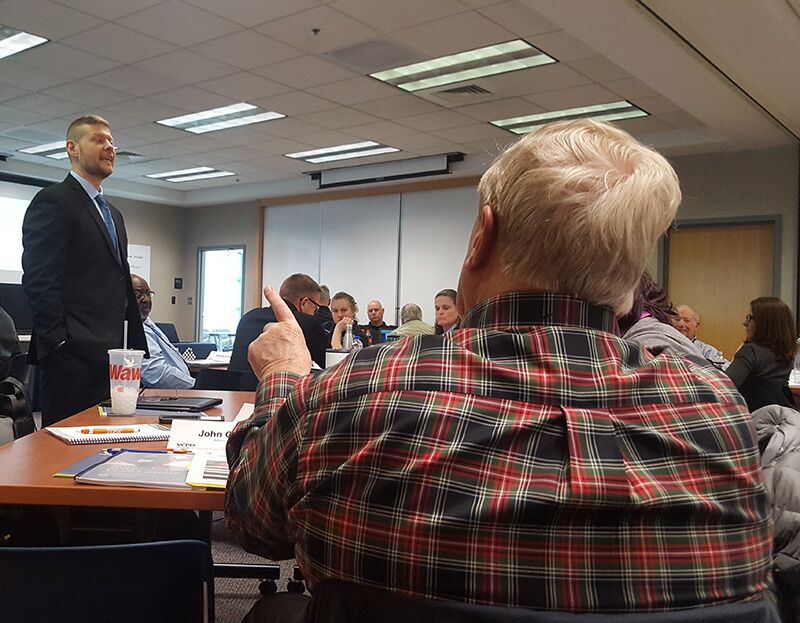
x,y
76,277
302,295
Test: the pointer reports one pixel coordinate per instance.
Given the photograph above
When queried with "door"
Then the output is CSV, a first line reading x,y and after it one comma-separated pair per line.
x,y
718,269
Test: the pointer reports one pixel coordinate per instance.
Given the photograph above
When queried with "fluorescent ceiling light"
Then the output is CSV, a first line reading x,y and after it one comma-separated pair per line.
x,y
157,176
359,154
470,65
342,152
223,118
613,111
56,150
13,41
201,176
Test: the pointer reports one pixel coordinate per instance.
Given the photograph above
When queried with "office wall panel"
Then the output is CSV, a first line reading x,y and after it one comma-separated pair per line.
x,y
291,242
359,250
435,230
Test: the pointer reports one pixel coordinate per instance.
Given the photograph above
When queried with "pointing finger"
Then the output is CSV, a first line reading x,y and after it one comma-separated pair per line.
x,y
279,306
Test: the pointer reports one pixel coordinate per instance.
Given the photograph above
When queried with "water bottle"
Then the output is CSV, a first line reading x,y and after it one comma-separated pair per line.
x,y
357,344
347,340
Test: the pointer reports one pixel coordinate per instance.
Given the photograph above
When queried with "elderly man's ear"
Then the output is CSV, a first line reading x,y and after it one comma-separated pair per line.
x,y
482,239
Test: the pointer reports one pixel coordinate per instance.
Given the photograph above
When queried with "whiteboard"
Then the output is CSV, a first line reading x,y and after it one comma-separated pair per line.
x,y
435,230
291,242
358,251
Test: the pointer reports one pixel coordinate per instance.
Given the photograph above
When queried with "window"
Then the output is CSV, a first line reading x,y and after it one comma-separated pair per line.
x,y
221,295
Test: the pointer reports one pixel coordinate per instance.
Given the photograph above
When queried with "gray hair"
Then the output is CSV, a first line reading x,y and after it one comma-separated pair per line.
x,y
409,312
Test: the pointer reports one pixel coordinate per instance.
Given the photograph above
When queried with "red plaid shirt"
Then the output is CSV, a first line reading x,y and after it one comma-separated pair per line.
x,y
531,458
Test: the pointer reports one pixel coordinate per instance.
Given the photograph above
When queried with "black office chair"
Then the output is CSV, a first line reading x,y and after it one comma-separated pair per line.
x,y
225,380
168,329
201,350
159,582
344,602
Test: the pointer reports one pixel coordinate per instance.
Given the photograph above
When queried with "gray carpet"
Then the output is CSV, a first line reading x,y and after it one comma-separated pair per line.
x,y
235,597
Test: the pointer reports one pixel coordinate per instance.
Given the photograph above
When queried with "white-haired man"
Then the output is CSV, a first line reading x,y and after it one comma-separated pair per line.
x,y
532,458
688,322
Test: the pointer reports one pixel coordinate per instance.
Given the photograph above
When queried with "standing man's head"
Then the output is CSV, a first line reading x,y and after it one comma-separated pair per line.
x,y
574,207
91,149
302,292
325,296
375,313
144,295
410,312
688,321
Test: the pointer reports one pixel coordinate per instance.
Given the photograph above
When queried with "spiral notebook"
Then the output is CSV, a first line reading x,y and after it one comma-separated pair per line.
x,y
109,434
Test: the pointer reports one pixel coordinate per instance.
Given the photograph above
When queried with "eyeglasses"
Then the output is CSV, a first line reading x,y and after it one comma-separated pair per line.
x,y
140,294
749,318
312,301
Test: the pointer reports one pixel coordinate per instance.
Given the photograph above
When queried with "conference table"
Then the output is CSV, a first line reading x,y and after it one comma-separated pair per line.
x,y
27,465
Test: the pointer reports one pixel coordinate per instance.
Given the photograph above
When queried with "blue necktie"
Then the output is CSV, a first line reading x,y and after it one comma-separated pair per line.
x,y
112,231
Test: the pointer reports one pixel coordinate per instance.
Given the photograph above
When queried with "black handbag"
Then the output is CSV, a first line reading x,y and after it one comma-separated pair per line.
x,y
14,405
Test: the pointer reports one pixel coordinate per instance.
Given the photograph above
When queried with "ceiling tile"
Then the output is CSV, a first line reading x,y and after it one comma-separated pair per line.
x,y
294,102
336,30
118,43
243,86
17,75
328,138
421,140
10,117
439,120
476,4
388,15
117,120
599,69
629,88
291,128
108,10
246,49
160,150
133,80
583,95
279,146
456,33
472,133
489,147
145,109
680,119
354,90
379,131
87,94
149,133
400,105
251,135
192,99
65,60
186,66
194,143
249,13
500,109
643,125
46,19
534,80
9,92
519,18
338,118
233,154
45,105
304,72
657,105
165,20
562,46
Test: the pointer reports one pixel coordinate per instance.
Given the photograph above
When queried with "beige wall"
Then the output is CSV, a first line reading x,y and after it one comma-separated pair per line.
x,y
210,226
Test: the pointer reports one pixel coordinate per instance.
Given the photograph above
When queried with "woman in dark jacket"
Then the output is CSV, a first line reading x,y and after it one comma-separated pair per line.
x,y
760,369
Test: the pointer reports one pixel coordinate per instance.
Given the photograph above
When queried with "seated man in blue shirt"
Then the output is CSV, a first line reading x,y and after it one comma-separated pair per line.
x,y
165,368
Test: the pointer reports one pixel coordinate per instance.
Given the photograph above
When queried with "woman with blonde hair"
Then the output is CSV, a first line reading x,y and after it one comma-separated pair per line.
x,y
343,309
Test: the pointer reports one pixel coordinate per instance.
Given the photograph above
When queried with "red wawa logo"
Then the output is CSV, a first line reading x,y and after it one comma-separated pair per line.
x,y
121,373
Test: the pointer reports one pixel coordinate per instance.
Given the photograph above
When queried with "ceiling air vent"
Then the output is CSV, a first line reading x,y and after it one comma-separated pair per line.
x,y
458,96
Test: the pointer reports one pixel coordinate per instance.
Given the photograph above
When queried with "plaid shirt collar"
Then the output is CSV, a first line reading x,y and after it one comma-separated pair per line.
x,y
519,311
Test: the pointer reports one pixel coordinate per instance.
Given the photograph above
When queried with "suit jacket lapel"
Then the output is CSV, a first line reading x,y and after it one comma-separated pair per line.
x,y
91,206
